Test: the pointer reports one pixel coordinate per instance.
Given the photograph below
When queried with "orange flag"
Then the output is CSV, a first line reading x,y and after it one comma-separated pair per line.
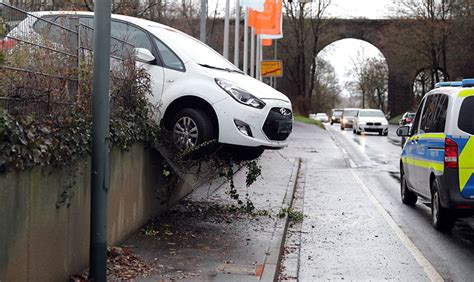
x,y
265,19
267,42
275,27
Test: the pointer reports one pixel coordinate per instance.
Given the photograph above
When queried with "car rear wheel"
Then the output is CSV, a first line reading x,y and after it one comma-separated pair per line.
x,y
408,197
193,128
441,218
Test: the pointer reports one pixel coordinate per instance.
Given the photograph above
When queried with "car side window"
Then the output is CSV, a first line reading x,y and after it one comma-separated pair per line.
x,y
169,58
416,123
434,114
429,112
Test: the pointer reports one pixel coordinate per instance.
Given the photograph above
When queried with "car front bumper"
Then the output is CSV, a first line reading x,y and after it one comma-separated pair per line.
x,y
269,127
373,128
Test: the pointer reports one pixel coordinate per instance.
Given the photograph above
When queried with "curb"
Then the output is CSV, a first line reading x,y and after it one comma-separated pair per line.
x,y
275,252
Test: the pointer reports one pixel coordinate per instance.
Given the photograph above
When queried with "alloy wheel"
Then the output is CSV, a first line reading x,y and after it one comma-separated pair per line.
x,y
185,133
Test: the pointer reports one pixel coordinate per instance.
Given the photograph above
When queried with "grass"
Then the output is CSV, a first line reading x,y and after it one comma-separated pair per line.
x,y
395,120
307,120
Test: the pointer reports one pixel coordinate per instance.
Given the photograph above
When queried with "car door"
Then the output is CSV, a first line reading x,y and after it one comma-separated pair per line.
x,y
428,144
135,37
431,145
174,70
410,149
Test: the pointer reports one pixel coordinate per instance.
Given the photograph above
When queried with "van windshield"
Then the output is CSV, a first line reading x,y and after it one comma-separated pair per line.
x,y
192,48
466,119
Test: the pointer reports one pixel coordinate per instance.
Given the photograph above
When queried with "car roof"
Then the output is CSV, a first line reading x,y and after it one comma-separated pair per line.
x,y
370,110
137,21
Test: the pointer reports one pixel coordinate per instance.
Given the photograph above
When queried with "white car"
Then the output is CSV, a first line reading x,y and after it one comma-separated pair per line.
x,y
322,117
370,120
202,96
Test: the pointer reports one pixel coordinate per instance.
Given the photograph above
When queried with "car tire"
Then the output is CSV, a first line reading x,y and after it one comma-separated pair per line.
x,y
408,197
441,218
342,127
193,127
332,122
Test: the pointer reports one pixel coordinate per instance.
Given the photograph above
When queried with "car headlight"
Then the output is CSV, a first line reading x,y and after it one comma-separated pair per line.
x,y
344,120
240,94
385,122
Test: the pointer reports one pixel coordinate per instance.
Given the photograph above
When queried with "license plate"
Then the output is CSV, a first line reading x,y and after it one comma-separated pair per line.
x,y
285,126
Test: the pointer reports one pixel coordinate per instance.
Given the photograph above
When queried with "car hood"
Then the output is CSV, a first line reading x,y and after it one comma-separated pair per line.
x,y
372,119
248,83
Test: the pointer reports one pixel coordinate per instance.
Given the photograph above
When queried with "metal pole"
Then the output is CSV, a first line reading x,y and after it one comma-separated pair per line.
x,y
252,53
202,29
237,33
100,142
276,57
226,29
246,42
257,61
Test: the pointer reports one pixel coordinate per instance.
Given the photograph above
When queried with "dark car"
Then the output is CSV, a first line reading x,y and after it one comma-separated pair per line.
x,y
336,115
348,116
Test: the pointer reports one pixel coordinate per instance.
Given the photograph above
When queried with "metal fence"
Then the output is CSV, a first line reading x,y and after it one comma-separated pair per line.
x,y
41,56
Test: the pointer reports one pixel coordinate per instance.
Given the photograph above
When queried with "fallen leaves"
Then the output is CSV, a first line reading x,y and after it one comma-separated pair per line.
x,y
124,264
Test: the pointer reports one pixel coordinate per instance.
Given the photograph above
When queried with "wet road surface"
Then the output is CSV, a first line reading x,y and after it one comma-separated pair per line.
x,y
356,226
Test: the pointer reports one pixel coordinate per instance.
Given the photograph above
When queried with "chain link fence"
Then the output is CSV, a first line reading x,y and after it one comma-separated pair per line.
x,y
43,58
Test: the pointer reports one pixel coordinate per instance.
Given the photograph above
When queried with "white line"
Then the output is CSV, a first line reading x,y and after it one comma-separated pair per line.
x,y
429,269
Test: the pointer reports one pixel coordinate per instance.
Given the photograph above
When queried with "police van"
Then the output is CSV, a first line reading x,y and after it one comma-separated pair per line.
x,y
437,161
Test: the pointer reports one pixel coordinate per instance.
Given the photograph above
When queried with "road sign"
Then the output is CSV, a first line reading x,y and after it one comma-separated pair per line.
x,y
272,68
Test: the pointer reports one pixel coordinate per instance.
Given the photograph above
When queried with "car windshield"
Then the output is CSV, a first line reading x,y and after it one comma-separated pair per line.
x,y
193,48
350,113
337,114
371,114
321,115
466,120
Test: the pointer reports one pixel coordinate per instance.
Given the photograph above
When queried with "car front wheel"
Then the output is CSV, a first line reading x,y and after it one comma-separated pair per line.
x,y
408,197
192,128
441,218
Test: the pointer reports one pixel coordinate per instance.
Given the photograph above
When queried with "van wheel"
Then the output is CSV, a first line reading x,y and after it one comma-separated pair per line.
x,y
408,197
441,218
191,128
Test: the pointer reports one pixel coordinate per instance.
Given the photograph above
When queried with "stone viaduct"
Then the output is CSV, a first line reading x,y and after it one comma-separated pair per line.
x,y
402,63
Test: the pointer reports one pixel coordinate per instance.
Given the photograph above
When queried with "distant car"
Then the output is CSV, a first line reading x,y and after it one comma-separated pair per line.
x,y
322,117
336,116
407,118
347,118
371,120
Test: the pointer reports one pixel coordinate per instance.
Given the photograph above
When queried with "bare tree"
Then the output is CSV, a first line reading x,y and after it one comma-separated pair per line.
x,y
301,44
326,92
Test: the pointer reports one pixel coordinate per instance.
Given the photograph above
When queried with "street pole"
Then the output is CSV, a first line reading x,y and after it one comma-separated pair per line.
x,y
246,42
275,58
237,33
226,29
202,29
252,53
100,142
257,61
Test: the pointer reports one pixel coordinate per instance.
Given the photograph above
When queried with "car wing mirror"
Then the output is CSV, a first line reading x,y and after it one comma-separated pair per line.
x,y
403,131
143,55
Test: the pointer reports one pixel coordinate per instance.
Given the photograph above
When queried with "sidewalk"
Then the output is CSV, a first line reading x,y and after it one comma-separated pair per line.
x,y
202,239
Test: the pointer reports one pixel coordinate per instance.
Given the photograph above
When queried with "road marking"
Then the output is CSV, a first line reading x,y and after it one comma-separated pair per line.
x,y
429,269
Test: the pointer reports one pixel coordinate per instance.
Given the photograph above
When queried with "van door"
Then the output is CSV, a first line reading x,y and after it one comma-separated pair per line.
x,y
466,148
409,151
431,144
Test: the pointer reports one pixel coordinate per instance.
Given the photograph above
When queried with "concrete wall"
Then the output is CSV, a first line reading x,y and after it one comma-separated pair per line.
x,y
44,213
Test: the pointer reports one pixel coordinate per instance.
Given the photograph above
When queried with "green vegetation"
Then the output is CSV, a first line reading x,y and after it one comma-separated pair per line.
x,y
307,120
395,120
294,215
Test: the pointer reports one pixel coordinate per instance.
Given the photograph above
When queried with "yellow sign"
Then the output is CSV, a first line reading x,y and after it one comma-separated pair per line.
x,y
272,68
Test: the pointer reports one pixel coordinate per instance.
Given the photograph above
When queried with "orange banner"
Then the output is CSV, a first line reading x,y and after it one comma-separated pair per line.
x,y
265,19
267,42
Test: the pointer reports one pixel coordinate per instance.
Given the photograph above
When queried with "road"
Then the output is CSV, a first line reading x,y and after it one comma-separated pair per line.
x,y
355,225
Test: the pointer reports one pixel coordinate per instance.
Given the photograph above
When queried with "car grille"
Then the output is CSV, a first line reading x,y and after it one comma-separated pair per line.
x,y
374,123
276,119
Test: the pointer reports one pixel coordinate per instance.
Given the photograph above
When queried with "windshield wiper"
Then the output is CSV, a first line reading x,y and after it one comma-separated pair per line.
x,y
218,68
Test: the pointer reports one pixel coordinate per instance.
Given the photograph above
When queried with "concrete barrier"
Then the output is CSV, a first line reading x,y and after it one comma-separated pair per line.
x,y
44,212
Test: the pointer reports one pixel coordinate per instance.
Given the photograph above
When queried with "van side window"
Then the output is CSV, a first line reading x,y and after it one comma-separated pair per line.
x,y
416,122
170,59
428,113
466,120
434,114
